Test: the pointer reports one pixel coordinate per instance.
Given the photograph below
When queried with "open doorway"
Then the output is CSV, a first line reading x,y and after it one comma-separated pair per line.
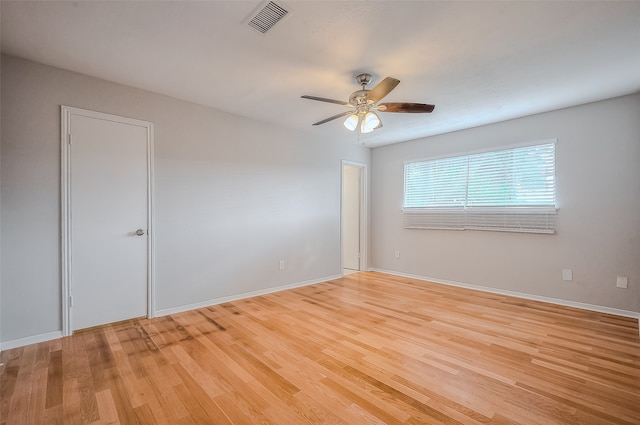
x,y
353,217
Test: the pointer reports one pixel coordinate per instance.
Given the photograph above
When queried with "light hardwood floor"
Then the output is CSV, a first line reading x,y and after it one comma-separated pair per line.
x,y
365,349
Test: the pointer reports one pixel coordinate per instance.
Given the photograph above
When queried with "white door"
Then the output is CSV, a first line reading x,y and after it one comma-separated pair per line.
x,y
351,217
108,185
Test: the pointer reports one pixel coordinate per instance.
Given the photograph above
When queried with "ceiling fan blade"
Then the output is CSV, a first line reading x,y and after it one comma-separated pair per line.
x,y
382,89
415,108
343,114
324,99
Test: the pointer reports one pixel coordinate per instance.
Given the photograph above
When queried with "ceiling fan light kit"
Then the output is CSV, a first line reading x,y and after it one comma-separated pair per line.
x,y
365,103
352,122
370,122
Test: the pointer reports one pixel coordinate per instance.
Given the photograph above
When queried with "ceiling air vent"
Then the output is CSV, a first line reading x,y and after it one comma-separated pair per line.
x,y
267,17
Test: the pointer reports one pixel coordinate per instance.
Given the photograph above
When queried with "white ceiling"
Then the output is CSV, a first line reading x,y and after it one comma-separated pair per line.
x,y
478,62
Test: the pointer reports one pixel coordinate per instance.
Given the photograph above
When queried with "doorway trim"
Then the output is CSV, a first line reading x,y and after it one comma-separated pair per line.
x,y
363,213
66,112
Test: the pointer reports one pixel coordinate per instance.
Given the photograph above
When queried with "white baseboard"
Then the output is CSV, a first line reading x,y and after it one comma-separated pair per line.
x,y
21,342
558,301
215,301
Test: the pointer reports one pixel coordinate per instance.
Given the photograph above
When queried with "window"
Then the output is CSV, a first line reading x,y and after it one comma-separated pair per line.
x,y
506,190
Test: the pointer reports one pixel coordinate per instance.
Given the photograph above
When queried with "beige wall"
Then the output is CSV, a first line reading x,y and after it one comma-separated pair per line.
x,y
233,196
351,217
598,194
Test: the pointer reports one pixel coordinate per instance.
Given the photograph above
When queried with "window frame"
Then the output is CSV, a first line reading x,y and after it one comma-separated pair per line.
x,y
524,219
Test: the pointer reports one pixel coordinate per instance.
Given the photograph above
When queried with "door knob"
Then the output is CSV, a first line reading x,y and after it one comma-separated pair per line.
x,y
140,232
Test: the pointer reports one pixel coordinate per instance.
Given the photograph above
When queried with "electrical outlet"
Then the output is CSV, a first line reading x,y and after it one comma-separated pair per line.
x,y
567,274
281,264
622,282
397,255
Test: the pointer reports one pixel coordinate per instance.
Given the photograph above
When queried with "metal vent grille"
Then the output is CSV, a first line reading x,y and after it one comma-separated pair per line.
x,y
267,17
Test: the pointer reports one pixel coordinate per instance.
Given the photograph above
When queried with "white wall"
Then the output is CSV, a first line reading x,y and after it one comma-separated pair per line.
x,y
598,193
233,196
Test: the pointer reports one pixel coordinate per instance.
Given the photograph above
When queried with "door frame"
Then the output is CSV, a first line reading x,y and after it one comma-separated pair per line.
x,y
65,207
363,213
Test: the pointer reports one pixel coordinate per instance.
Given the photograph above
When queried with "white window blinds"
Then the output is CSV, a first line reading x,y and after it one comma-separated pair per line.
x,y
506,190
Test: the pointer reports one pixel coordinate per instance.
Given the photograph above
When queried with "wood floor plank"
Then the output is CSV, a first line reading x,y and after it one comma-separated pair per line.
x,y
22,395
8,378
54,380
201,408
125,392
368,348
54,416
107,408
36,407
71,402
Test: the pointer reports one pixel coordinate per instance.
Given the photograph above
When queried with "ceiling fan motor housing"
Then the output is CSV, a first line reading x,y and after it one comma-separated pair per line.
x,y
359,97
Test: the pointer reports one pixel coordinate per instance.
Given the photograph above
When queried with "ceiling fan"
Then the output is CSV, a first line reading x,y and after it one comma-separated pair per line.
x,y
363,105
